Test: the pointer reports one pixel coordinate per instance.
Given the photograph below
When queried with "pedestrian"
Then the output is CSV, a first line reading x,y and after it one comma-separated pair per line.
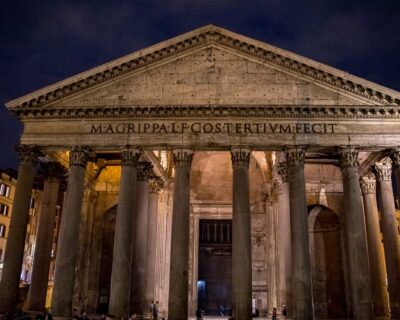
x,y
155,310
151,307
274,313
284,310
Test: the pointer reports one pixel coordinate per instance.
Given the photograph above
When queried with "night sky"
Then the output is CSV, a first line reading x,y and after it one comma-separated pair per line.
x,y
46,41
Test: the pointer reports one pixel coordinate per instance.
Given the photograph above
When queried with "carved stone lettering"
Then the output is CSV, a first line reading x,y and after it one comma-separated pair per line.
x,y
212,128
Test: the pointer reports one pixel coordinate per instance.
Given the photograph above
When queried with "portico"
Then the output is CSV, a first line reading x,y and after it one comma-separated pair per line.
x,y
231,128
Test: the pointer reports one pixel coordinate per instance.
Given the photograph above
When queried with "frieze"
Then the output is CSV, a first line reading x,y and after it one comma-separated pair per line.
x,y
209,37
196,127
212,111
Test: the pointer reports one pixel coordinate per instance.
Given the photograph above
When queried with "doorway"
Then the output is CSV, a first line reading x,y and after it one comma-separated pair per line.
x,y
327,263
214,286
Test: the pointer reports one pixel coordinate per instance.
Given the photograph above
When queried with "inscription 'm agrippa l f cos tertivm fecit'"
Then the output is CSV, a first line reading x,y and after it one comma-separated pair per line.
x,y
213,128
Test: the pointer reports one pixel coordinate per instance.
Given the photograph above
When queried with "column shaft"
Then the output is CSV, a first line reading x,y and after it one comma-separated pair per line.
x,y
179,263
301,270
67,247
122,253
391,238
44,239
138,286
284,257
17,233
241,235
375,251
395,156
356,238
154,188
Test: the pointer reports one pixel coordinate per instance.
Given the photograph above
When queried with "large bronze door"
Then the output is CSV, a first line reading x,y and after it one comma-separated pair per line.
x,y
215,266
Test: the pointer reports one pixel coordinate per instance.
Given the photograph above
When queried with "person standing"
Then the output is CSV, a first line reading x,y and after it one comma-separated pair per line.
x,y
284,311
155,310
274,314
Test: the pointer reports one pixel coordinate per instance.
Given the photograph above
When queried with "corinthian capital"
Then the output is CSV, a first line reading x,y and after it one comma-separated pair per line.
x,y
155,184
28,153
145,169
78,157
183,157
348,156
295,155
383,170
130,156
240,156
395,156
368,184
281,168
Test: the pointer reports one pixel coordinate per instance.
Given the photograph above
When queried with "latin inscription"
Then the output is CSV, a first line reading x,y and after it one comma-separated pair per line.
x,y
212,128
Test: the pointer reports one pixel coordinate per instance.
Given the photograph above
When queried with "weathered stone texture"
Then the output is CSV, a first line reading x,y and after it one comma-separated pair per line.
x,y
211,76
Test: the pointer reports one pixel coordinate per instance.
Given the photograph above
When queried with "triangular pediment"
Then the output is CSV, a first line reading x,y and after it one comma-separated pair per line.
x,y
210,76
210,65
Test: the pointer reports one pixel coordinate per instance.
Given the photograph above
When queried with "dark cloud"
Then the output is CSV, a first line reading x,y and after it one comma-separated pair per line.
x,y
45,41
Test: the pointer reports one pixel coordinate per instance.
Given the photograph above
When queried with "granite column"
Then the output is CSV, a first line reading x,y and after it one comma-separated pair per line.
x,y
17,233
155,184
44,238
301,270
395,156
375,250
356,238
284,245
179,263
138,287
124,226
391,238
241,235
67,247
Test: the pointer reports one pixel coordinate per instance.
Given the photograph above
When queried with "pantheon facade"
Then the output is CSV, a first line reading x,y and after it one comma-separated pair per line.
x,y
212,172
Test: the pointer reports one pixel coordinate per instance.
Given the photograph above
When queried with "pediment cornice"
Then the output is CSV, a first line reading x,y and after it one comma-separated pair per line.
x,y
212,111
202,37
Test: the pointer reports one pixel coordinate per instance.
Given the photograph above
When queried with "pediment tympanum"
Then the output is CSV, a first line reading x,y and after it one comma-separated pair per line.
x,y
211,76
213,89
211,65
